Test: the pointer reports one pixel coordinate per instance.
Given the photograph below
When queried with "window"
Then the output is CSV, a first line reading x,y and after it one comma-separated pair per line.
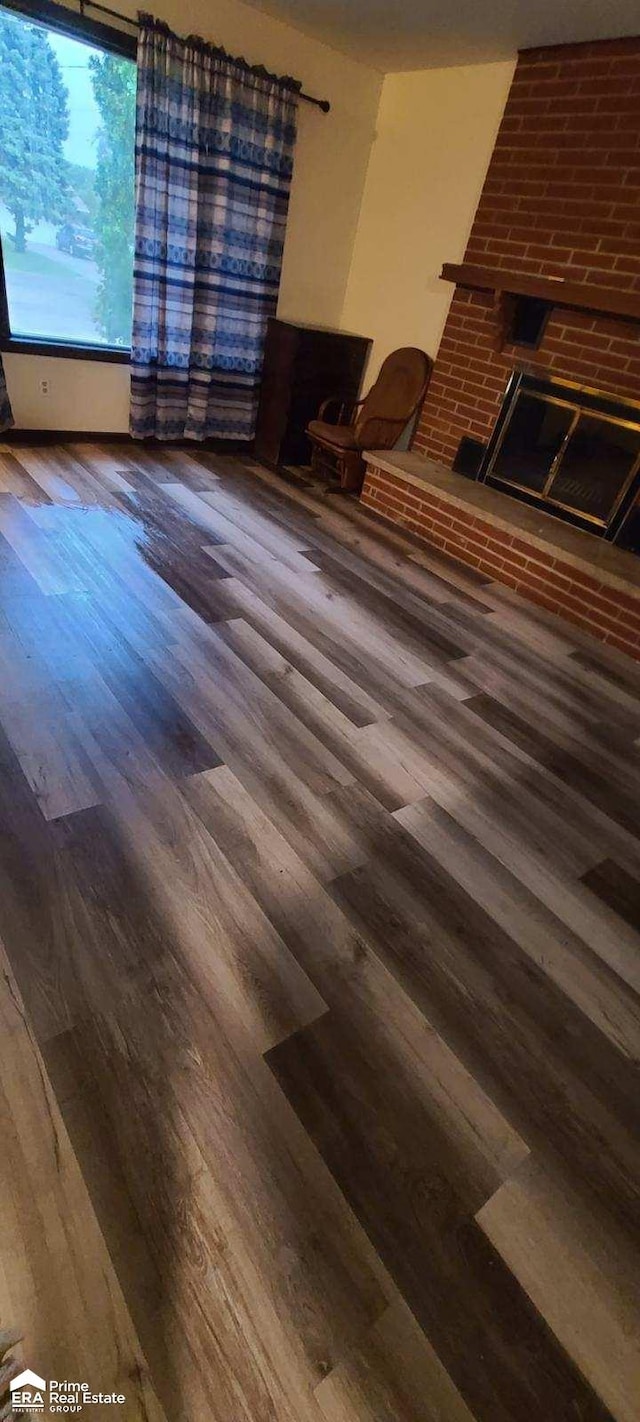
x,y
67,129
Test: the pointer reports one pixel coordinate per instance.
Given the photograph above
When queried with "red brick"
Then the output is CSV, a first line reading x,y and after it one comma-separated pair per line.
x,y
623,600
388,503
575,575
612,640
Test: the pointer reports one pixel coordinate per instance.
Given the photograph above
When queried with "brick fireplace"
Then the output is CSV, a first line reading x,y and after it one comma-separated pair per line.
x,y
549,292
561,199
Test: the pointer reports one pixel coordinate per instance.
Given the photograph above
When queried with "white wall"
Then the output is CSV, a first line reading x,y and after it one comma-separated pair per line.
x,y
83,394
435,134
330,167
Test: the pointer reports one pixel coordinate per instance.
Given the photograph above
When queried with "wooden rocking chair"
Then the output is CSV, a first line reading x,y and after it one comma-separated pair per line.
x,y
337,446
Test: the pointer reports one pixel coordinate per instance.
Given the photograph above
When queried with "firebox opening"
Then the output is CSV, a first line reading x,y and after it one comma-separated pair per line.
x,y
574,451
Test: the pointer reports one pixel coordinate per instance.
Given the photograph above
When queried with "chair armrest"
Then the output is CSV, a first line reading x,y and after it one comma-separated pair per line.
x,y
343,407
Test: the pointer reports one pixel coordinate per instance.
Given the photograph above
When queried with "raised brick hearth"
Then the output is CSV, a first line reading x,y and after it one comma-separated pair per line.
x,y
561,199
565,570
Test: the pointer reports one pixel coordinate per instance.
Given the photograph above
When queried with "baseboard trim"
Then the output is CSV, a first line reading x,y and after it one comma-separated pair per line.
x,y
63,437
219,446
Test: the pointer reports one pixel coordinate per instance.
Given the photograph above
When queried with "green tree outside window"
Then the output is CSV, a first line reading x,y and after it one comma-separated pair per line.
x,y
114,86
34,123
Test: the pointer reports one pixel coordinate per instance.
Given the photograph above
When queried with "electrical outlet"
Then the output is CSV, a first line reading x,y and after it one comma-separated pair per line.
x,y
45,387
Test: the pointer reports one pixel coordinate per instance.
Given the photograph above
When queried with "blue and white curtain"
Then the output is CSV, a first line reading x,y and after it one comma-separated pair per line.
x,y
6,413
214,158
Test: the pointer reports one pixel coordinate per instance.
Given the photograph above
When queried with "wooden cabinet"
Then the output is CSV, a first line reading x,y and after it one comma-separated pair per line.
x,y
302,366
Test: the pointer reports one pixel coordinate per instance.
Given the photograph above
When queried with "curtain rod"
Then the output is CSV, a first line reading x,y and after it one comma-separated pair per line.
x,y
322,104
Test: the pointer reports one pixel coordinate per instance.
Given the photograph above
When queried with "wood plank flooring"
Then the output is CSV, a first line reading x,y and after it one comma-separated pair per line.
x,y
320,961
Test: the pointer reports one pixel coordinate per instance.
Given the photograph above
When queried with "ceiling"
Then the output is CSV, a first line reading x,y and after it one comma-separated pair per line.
x,y
419,34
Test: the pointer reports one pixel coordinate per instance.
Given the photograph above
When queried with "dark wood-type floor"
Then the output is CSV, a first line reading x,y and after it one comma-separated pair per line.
x,y
319,921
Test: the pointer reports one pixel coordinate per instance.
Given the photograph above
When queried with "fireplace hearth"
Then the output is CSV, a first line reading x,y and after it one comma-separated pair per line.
x,y
573,451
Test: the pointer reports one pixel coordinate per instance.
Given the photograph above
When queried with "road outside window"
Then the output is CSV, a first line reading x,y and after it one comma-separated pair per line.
x,y
67,128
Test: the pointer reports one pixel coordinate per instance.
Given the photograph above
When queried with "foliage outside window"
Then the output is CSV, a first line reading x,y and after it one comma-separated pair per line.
x,y
67,129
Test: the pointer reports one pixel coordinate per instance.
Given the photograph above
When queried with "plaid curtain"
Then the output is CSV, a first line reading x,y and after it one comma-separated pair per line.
x,y
214,158
6,413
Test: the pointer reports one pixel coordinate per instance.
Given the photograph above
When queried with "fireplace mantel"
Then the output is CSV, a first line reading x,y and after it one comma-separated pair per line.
x,y
581,296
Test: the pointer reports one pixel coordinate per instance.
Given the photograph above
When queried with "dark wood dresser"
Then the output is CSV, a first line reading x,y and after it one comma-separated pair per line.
x,y
302,366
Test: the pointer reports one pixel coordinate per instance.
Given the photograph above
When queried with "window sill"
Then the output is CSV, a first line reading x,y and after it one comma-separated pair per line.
x,y
13,345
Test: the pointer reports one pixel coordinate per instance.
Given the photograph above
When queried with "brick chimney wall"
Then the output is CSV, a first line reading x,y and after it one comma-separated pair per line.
x,y
561,199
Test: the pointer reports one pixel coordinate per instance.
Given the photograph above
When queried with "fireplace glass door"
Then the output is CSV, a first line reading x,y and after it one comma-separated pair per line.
x,y
532,441
596,466
563,452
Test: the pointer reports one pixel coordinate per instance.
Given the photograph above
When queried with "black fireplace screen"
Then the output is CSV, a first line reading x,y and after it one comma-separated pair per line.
x,y
575,451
